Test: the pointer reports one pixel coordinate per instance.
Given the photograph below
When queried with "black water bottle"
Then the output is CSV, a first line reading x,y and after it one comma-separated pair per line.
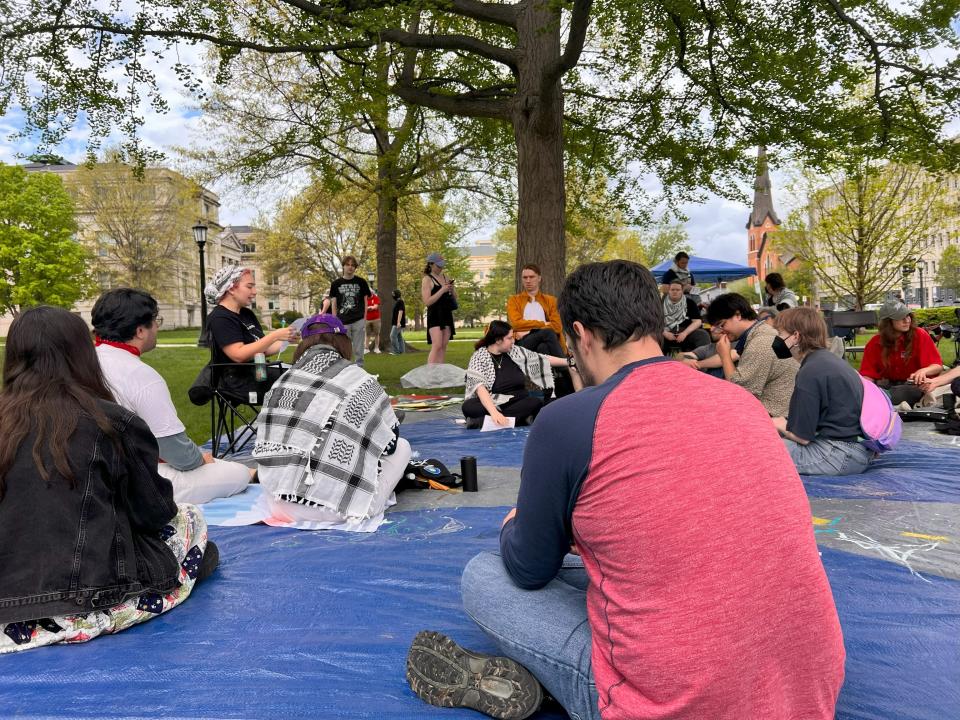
x,y
468,471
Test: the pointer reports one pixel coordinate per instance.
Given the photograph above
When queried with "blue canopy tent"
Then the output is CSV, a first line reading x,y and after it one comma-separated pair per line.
x,y
706,270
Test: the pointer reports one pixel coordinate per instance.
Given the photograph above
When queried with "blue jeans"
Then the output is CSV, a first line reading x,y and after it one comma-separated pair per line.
x,y
829,457
397,344
544,630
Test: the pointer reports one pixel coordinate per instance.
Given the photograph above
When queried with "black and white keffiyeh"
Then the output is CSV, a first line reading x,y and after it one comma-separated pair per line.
x,y
322,430
674,313
481,371
785,296
683,276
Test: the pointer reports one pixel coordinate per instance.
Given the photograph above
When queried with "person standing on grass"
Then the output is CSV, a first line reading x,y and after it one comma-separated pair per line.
x,y
91,539
373,321
440,298
348,301
125,324
619,587
398,321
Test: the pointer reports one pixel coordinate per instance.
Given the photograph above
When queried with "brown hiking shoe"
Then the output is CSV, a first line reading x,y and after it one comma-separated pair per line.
x,y
444,674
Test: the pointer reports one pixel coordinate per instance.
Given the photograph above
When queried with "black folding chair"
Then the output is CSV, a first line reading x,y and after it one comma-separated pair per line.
x,y
236,401
845,323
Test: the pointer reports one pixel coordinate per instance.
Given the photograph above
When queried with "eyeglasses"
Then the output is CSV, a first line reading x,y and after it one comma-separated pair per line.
x,y
718,325
159,320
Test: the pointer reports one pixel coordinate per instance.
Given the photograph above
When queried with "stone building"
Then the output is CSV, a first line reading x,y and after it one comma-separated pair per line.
x,y
178,290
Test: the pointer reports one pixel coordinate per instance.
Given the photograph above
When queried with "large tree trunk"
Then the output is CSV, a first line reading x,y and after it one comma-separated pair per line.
x,y
538,131
387,203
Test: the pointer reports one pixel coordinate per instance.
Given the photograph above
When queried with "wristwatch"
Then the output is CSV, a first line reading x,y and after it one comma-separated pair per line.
x,y
571,362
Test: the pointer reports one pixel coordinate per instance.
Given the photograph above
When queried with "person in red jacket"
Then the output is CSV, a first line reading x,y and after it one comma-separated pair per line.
x,y
373,321
901,357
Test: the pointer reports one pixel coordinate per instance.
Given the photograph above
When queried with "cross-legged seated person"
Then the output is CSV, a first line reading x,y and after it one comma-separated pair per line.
x,y
92,540
664,614
327,439
236,332
125,323
497,374
682,327
759,370
822,429
901,357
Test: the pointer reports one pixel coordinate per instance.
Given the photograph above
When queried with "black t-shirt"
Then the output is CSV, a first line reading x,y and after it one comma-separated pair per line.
x,y
671,275
227,327
827,397
351,296
397,307
693,313
510,379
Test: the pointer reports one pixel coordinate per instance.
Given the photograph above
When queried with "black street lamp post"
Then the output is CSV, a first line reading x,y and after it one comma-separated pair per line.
x,y
200,236
911,265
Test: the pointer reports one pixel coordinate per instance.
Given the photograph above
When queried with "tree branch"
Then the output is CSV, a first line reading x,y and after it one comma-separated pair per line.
x,y
185,35
452,104
878,63
451,42
576,37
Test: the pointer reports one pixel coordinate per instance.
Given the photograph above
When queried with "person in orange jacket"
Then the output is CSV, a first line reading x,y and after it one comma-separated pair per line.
x,y
534,317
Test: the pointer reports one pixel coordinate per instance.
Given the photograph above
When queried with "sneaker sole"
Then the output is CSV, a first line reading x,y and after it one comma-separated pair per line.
x,y
442,673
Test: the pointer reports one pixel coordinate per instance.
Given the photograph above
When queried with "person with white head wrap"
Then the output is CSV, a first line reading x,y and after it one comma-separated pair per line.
x,y
234,330
224,279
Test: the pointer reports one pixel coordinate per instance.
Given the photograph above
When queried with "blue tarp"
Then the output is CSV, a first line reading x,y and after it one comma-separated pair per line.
x,y
317,625
707,270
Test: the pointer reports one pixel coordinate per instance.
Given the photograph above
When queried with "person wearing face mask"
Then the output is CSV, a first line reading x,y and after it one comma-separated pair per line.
x,y
822,428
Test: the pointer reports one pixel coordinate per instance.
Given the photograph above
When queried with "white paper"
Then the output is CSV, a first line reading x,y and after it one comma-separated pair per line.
x,y
489,424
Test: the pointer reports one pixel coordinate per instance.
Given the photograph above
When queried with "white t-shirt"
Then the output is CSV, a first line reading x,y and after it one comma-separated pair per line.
x,y
139,388
534,311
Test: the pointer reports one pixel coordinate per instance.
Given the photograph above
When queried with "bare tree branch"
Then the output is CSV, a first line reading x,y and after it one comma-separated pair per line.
x,y
451,42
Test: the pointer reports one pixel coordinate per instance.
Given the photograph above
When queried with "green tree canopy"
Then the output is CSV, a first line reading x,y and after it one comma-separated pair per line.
x,y
40,262
948,271
676,89
860,226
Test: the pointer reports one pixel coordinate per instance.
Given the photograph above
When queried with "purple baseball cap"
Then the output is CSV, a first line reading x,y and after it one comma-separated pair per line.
x,y
326,325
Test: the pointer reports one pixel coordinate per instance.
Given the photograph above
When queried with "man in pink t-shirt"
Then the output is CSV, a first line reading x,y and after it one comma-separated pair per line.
x,y
696,595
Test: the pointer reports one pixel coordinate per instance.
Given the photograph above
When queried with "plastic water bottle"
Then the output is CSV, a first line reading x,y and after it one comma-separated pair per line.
x,y
260,367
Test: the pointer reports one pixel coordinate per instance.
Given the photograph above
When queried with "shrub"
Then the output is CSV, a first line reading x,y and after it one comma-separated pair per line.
x,y
935,316
284,318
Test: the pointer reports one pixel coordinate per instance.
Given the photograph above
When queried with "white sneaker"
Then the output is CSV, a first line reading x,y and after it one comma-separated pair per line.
x,y
905,406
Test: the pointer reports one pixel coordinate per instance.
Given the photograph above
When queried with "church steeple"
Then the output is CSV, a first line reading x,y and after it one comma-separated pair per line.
x,y
762,194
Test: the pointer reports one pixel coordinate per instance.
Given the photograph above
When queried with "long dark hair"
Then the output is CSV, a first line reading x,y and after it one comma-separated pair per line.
x,y
51,378
497,331
888,340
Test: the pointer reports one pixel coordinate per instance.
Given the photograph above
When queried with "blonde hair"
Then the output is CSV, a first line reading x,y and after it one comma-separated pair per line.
x,y
807,323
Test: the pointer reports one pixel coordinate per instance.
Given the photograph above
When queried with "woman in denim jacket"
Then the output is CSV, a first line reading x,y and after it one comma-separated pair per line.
x,y
91,541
